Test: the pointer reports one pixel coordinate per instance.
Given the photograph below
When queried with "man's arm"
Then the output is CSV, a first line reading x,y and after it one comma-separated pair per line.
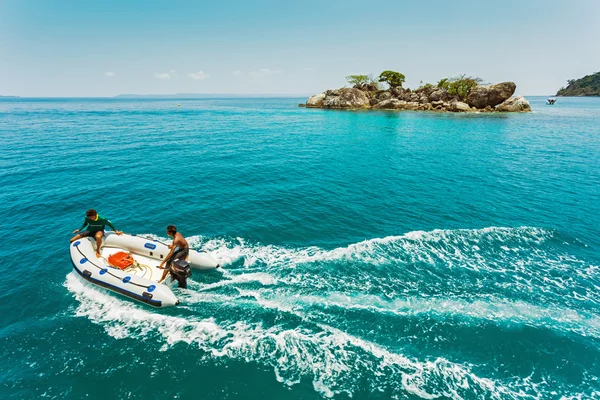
x,y
85,222
168,256
112,226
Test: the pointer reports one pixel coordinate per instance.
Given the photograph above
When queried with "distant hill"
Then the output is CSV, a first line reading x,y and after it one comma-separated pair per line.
x,y
587,86
12,97
204,96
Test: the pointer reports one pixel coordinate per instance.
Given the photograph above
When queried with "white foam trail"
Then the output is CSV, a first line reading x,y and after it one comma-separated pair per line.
x,y
512,257
414,246
499,311
260,277
336,361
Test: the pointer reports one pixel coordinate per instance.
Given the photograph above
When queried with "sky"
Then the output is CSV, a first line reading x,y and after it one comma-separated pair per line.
x,y
105,48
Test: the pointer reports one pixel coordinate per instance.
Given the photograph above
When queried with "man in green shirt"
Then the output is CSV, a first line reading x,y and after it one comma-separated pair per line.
x,y
95,228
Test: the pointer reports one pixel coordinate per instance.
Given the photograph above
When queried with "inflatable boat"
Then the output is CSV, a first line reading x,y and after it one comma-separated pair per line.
x,y
137,274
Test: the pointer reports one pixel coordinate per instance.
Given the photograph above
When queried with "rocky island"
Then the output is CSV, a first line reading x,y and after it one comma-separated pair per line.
x,y
589,85
459,94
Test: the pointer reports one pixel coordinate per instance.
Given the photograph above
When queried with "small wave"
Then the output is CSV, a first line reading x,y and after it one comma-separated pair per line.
x,y
260,277
336,361
499,311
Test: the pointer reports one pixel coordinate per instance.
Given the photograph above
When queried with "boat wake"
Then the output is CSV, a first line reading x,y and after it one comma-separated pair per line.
x,y
401,315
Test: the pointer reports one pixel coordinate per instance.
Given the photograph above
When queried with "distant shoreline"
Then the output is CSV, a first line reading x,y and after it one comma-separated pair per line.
x,y
178,96
206,96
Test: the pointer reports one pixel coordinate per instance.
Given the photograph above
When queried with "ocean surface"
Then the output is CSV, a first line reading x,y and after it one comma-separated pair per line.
x,y
366,255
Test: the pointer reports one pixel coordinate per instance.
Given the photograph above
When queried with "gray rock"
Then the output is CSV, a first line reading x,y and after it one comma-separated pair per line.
x,y
346,98
316,101
515,104
459,106
401,93
437,95
367,87
384,95
483,96
390,104
412,105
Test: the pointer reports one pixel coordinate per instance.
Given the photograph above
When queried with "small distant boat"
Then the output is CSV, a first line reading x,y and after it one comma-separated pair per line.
x,y
140,278
550,101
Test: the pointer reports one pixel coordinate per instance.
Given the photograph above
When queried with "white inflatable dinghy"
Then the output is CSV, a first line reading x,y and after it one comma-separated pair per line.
x,y
140,281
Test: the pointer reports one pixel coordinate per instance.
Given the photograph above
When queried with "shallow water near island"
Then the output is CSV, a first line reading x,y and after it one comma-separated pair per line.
x,y
370,255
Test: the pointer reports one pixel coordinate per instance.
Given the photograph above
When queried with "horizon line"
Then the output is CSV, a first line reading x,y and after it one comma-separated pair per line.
x,y
205,95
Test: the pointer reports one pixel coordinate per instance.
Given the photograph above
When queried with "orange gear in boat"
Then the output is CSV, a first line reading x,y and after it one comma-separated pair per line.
x,y
121,260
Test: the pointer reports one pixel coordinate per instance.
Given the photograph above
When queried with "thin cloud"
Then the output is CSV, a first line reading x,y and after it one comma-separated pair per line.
x,y
164,75
265,71
199,76
237,72
109,74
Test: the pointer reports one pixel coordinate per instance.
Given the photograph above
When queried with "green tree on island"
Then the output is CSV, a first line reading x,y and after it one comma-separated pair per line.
x,y
392,78
443,83
358,79
462,85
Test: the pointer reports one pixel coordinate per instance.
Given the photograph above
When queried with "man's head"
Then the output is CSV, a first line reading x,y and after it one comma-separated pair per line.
x,y
91,214
171,230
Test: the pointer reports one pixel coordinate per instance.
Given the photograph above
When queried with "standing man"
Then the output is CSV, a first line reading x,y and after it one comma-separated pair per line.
x,y
180,249
95,228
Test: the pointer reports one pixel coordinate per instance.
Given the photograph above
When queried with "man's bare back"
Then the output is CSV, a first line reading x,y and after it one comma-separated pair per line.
x,y
179,241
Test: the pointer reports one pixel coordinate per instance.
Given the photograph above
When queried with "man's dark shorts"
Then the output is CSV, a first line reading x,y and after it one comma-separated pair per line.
x,y
89,234
179,254
182,255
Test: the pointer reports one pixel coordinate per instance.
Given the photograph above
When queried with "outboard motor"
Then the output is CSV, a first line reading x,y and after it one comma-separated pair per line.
x,y
181,270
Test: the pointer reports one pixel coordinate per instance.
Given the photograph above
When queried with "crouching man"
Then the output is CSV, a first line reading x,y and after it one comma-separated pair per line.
x,y
95,228
176,262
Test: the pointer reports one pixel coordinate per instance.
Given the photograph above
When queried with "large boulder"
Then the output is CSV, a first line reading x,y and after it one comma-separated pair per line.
x,y
400,93
515,104
316,101
437,95
483,96
459,106
346,98
385,95
367,87
414,97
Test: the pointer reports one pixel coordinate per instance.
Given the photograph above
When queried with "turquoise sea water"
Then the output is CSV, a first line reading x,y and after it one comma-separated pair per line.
x,y
366,254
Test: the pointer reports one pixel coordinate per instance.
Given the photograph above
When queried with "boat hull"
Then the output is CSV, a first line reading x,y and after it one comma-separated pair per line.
x,y
96,271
